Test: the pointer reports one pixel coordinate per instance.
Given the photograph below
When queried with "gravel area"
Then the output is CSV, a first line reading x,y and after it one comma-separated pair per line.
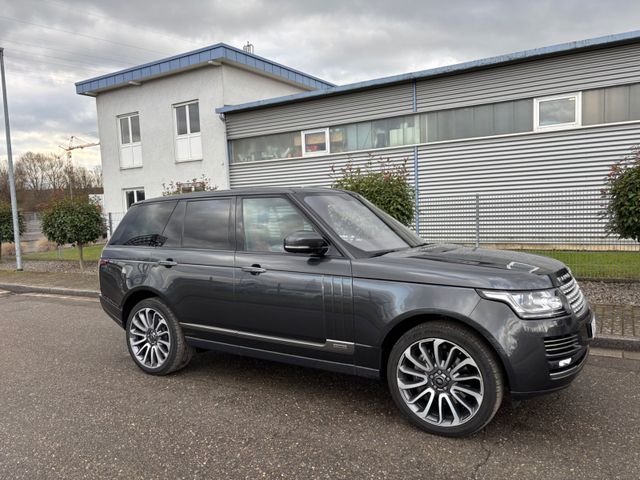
x,y
612,293
55,266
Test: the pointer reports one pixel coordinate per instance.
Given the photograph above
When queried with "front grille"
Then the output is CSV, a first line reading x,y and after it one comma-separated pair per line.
x,y
571,290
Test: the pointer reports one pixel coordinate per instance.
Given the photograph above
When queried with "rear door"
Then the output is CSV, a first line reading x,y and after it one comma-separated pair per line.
x,y
198,263
289,302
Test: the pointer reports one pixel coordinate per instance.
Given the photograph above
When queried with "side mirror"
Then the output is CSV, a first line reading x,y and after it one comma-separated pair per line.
x,y
310,243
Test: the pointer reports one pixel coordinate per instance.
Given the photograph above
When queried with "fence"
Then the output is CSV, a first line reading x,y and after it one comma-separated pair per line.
x,y
567,225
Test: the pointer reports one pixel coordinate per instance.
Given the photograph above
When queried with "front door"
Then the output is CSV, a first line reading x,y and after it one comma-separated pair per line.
x,y
289,302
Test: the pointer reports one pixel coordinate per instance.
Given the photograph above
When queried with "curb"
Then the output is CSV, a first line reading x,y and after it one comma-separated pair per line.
x,y
17,288
631,344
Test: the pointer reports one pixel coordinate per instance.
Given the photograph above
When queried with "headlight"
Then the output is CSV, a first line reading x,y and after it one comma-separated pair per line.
x,y
537,304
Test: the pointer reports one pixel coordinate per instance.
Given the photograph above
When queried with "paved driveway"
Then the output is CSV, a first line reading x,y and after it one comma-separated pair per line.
x,y
73,405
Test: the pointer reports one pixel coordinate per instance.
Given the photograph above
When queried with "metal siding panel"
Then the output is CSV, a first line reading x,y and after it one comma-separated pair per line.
x,y
355,107
529,186
534,161
579,71
310,171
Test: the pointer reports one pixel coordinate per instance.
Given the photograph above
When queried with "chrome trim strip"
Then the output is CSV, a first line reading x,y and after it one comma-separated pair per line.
x,y
337,346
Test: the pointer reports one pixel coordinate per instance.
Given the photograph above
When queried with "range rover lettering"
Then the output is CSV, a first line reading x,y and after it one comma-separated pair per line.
x,y
322,278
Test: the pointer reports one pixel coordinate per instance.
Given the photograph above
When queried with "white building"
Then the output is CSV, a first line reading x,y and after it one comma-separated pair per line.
x,y
157,122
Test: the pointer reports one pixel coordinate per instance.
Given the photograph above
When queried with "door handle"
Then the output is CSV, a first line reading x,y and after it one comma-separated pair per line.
x,y
254,269
168,263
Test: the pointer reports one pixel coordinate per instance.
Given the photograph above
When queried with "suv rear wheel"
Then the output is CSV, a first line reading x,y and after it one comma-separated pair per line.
x,y
155,340
444,379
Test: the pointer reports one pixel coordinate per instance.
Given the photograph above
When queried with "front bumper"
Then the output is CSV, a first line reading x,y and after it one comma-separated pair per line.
x,y
540,356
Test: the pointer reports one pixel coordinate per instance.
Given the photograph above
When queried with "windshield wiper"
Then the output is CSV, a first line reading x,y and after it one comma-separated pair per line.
x,y
384,252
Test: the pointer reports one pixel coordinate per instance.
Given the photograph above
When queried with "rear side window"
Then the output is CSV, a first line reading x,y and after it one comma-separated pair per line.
x,y
207,224
143,225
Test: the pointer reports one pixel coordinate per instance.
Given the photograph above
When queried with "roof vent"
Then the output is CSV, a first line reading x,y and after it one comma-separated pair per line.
x,y
248,47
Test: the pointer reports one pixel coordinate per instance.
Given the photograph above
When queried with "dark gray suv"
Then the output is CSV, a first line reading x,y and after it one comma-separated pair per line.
x,y
322,278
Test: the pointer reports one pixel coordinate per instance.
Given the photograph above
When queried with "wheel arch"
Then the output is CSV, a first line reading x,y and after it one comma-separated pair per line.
x,y
406,322
134,297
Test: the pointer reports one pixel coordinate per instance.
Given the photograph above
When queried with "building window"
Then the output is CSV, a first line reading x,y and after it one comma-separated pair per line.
x,y
478,121
611,104
557,112
315,142
133,195
187,128
130,141
266,147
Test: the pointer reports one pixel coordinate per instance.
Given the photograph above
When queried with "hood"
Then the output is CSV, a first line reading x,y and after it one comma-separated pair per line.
x,y
463,266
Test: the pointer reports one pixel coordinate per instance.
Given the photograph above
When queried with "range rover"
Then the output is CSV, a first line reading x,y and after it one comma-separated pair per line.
x,y
322,278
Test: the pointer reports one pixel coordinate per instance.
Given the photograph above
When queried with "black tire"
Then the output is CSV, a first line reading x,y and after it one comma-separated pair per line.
x,y
485,361
179,352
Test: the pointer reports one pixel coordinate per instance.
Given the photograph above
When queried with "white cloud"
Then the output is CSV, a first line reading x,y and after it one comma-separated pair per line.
x,y
50,44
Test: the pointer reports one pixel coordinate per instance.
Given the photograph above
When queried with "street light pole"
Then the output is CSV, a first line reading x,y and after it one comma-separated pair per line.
x,y
12,182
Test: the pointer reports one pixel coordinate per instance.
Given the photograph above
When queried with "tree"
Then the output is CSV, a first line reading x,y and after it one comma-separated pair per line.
x,y
6,224
77,221
623,193
385,186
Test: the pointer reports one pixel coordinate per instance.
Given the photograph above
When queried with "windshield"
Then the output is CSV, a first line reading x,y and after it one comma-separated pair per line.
x,y
357,224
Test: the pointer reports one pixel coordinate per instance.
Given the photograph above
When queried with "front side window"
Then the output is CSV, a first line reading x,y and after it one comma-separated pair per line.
x,y
207,224
315,142
358,225
133,195
130,141
561,111
187,131
268,221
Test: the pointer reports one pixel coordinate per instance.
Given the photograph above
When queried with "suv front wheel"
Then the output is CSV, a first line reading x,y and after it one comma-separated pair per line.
x,y
155,340
444,379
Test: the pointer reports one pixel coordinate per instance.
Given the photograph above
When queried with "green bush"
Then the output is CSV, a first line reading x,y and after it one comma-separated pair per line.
x,y
77,221
623,193
6,224
384,185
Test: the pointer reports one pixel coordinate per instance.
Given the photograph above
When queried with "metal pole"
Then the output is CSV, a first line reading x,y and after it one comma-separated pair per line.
x,y
477,220
110,225
12,182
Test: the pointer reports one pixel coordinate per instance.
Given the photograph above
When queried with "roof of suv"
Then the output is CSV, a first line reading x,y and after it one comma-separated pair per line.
x,y
241,191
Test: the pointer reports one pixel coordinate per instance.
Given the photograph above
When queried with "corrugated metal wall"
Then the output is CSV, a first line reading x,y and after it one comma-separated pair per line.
x,y
537,188
579,71
312,171
500,169
565,159
365,105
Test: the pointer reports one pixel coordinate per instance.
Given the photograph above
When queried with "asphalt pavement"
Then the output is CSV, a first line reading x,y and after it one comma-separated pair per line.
x,y
73,405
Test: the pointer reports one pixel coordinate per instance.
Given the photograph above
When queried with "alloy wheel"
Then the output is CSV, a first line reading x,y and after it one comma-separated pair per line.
x,y
440,382
149,338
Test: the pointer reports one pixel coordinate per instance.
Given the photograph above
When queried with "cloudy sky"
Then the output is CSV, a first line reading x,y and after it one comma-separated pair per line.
x,y
50,44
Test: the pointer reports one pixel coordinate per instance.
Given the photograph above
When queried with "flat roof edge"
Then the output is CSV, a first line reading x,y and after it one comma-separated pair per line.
x,y
524,55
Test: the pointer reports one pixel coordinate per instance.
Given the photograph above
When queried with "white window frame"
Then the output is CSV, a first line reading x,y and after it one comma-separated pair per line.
x,y
131,145
135,191
188,136
304,134
559,126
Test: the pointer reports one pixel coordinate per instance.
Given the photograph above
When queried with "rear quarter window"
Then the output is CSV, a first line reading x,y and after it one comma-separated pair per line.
x,y
143,225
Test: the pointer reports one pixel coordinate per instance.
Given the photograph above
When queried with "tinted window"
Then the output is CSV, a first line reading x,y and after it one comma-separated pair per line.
x,y
207,224
267,221
143,225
